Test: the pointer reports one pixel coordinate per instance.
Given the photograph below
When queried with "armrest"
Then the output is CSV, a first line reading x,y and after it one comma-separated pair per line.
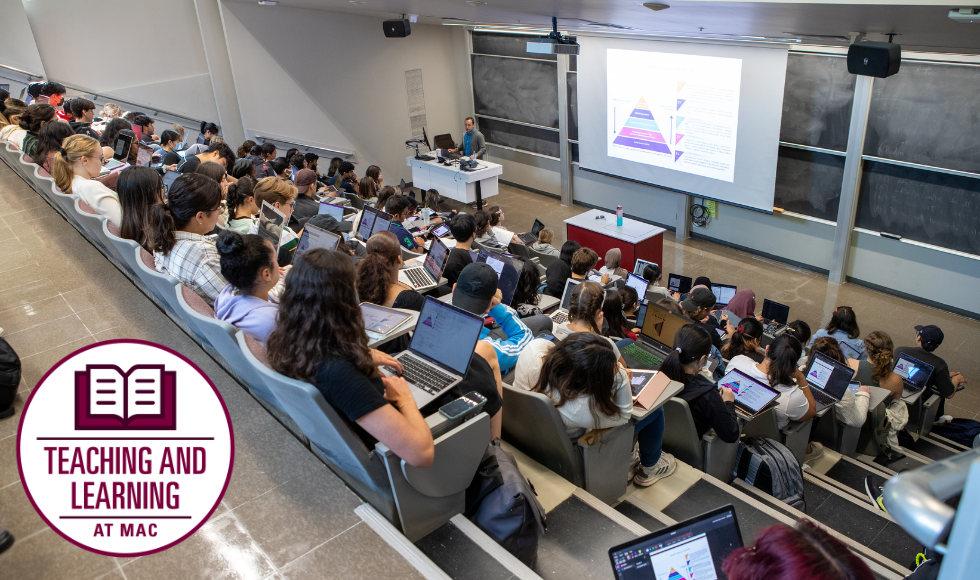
x,y
440,425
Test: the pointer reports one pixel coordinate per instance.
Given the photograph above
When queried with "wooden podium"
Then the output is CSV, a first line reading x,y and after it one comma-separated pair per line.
x,y
597,229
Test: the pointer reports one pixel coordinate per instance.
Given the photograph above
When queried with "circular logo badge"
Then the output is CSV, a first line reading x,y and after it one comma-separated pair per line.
x,y
125,448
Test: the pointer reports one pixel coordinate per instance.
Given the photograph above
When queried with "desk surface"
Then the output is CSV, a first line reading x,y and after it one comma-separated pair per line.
x,y
674,387
631,231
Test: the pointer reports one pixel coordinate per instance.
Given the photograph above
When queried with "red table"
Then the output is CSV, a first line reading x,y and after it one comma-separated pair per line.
x,y
637,240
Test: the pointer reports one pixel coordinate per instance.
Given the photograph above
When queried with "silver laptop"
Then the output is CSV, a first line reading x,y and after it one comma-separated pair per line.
x,y
751,396
426,276
640,266
439,354
314,237
828,380
915,374
560,316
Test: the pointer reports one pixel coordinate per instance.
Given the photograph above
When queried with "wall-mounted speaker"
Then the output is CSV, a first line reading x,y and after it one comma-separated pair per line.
x,y
874,59
397,28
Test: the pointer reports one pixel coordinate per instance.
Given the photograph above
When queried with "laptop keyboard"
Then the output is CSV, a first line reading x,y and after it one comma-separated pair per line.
x,y
527,238
821,397
423,376
771,328
559,317
644,358
417,277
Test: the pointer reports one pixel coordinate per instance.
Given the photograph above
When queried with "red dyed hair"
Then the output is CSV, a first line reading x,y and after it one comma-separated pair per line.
x,y
785,553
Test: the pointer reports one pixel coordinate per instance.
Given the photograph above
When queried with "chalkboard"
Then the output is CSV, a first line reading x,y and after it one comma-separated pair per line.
x,y
926,206
573,106
516,89
817,101
927,114
506,45
808,182
533,139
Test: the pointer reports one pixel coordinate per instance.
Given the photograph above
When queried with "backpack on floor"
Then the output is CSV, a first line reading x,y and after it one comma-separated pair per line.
x,y
9,375
962,431
770,467
503,503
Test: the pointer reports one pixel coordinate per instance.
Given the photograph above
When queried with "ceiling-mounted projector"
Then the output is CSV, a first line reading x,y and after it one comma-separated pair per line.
x,y
554,43
965,15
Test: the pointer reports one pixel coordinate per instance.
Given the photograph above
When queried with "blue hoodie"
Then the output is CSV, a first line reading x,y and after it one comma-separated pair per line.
x,y
518,336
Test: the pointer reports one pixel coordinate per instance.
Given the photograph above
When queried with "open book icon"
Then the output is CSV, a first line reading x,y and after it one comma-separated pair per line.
x,y
142,398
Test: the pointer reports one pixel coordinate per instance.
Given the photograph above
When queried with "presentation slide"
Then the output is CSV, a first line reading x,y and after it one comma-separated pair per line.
x,y
676,111
689,560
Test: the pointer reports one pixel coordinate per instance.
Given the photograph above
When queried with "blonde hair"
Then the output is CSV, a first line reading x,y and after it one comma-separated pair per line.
x,y
111,111
181,132
72,149
215,140
546,235
273,190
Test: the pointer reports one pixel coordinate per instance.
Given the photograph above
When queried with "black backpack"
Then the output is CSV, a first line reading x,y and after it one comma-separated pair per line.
x,y
503,503
770,467
9,375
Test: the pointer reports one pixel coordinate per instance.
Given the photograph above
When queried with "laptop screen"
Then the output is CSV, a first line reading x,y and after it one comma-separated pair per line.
x,y
508,271
436,259
694,548
638,284
382,222
366,225
271,222
640,265
749,393
446,334
723,293
828,375
566,296
775,311
641,314
913,371
536,227
661,325
679,284
314,237
333,210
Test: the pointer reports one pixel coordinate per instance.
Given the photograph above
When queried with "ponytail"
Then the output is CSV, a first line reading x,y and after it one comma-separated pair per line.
x,y
189,194
784,354
585,303
35,116
72,149
691,342
376,272
238,193
748,328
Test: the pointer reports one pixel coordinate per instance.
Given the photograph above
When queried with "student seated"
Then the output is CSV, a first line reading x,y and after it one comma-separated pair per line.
x,y
345,179
652,274
852,410
146,129
377,275
219,153
217,173
432,201
877,371
177,231
138,188
614,257
801,330
742,304
526,295
615,323
712,407
671,306
261,157
306,204
83,111
560,270
698,306
502,234
745,341
280,194
384,194
843,327
111,131
400,208
297,163
50,139
12,110
249,264
208,131
76,166
778,370
31,122
240,200
585,314
631,303
463,228
320,338
374,172
111,111
484,231
245,148
543,245
280,166
169,140
242,168
332,169
943,381
476,292
367,190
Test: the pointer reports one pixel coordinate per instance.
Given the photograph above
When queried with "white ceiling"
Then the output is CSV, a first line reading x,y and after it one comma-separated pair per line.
x,y
918,27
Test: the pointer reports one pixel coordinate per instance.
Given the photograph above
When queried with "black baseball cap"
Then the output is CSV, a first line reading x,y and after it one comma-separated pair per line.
x,y
931,335
330,223
698,297
475,288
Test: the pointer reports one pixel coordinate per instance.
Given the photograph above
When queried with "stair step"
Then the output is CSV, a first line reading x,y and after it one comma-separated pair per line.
x,y
644,515
851,473
947,442
906,463
704,496
934,450
459,556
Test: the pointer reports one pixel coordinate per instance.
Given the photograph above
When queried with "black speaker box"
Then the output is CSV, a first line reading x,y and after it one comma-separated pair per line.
x,y
397,28
874,59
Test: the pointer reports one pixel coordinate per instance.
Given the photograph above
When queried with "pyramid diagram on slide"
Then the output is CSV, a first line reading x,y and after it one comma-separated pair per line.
x,y
641,130
675,575
677,126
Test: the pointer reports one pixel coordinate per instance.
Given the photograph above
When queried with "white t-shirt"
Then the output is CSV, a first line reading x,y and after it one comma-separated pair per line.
x,y
791,404
561,332
503,235
102,199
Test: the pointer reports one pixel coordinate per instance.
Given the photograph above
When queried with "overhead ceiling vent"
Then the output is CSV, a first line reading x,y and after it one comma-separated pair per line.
x,y
600,24
806,36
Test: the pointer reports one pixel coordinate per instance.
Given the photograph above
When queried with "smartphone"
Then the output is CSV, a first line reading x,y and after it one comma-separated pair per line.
x,y
854,386
546,336
462,405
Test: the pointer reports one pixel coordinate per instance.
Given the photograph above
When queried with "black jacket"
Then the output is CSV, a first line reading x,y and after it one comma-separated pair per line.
x,y
555,277
708,409
81,128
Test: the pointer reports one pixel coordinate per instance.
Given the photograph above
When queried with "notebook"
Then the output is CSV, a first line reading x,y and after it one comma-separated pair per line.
x,y
828,380
332,210
849,351
660,325
314,237
372,221
751,396
560,316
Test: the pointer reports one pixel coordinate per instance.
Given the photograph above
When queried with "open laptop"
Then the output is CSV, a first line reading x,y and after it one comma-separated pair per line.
x,y
915,374
849,351
439,355
752,397
426,276
828,380
723,293
640,265
508,269
529,238
373,220
776,316
656,339
560,316
332,210
679,284
641,313
314,237
638,284
694,548
271,222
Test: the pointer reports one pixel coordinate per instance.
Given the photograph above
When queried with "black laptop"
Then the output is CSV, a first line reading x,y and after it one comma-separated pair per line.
x,y
828,380
530,238
776,316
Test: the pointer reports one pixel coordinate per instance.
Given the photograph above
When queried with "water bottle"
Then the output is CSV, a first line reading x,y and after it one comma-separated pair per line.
x,y
619,215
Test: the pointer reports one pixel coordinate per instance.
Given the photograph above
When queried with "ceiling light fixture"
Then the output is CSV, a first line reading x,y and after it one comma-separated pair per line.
x,y
267,2
358,2
476,3
655,6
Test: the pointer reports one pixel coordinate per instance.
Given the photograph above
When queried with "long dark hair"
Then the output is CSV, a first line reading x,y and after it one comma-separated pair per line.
x,y
844,319
801,330
583,364
527,285
584,303
694,342
35,116
188,195
112,129
376,272
482,223
612,310
213,170
319,318
206,126
50,139
568,250
243,257
748,328
827,346
784,353
243,168
238,193
138,189
629,297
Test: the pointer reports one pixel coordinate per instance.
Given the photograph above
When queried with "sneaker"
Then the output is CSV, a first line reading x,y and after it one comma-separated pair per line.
x,y
647,476
943,419
874,487
816,452
634,462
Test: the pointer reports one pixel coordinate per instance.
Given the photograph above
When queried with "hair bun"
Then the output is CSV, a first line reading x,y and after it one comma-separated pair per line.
x,y
229,242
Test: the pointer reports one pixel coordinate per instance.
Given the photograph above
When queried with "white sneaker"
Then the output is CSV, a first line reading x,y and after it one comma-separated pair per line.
x,y
816,452
944,419
647,476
